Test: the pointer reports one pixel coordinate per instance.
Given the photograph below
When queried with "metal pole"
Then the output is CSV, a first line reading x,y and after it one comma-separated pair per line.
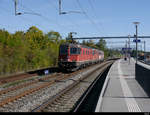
x,y
71,36
136,45
136,25
144,51
59,7
126,50
129,48
16,7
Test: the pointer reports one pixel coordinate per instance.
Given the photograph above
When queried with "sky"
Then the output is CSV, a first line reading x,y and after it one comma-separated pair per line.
x,y
96,18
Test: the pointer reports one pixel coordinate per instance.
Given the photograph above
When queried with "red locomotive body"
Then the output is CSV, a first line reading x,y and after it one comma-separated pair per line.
x,y
74,56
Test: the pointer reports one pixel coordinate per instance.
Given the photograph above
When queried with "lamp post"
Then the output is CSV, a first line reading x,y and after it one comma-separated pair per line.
x,y
144,50
136,26
129,48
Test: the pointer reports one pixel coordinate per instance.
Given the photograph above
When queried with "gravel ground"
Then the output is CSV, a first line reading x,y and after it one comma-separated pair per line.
x,y
29,102
68,101
26,80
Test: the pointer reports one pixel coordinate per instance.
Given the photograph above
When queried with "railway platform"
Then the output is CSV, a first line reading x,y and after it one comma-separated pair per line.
x,y
121,91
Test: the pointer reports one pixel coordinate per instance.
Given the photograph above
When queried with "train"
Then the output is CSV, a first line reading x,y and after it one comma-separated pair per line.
x,y
75,56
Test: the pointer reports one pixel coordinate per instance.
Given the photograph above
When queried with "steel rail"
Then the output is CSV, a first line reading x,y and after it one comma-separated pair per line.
x,y
52,99
25,84
29,91
90,88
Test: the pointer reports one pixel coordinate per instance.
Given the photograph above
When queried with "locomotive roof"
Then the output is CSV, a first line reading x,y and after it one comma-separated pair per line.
x,y
79,45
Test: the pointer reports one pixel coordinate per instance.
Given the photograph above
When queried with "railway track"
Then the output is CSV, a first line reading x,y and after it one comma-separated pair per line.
x,y
64,100
18,94
6,95
15,78
20,76
13,94
32,87
30,82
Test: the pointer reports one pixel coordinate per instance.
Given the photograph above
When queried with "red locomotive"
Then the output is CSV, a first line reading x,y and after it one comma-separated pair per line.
x,y
74,56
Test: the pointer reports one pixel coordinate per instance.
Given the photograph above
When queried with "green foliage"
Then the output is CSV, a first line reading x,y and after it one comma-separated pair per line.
x,y
23,51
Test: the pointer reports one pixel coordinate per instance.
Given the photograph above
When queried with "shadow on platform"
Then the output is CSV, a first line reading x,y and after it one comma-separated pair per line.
x,y
143,77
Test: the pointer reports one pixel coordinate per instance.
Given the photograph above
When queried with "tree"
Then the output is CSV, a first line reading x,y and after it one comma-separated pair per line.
x,y
101,44
34,29
54,36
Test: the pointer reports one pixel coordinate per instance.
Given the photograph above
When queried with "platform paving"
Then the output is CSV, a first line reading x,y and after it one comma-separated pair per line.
x,y
121,92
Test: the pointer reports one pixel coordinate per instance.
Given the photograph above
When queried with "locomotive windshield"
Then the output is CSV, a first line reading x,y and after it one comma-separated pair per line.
x,y
63,49
74,50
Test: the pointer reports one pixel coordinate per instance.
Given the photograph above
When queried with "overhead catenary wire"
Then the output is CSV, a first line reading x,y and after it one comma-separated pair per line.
x,y
29,21
22,18
57,10
47,19
42,16
94,13
62,12
31,12
21,13
92,7
72,24
86,15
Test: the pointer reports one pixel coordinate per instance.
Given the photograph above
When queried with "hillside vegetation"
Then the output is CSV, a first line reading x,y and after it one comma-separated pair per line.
x,y
24,51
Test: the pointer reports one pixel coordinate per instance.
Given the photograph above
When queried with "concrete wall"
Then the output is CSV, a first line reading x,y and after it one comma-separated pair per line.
x,y
143,76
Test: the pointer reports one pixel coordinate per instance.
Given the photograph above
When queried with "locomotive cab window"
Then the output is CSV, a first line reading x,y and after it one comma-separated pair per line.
x,y
63,49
